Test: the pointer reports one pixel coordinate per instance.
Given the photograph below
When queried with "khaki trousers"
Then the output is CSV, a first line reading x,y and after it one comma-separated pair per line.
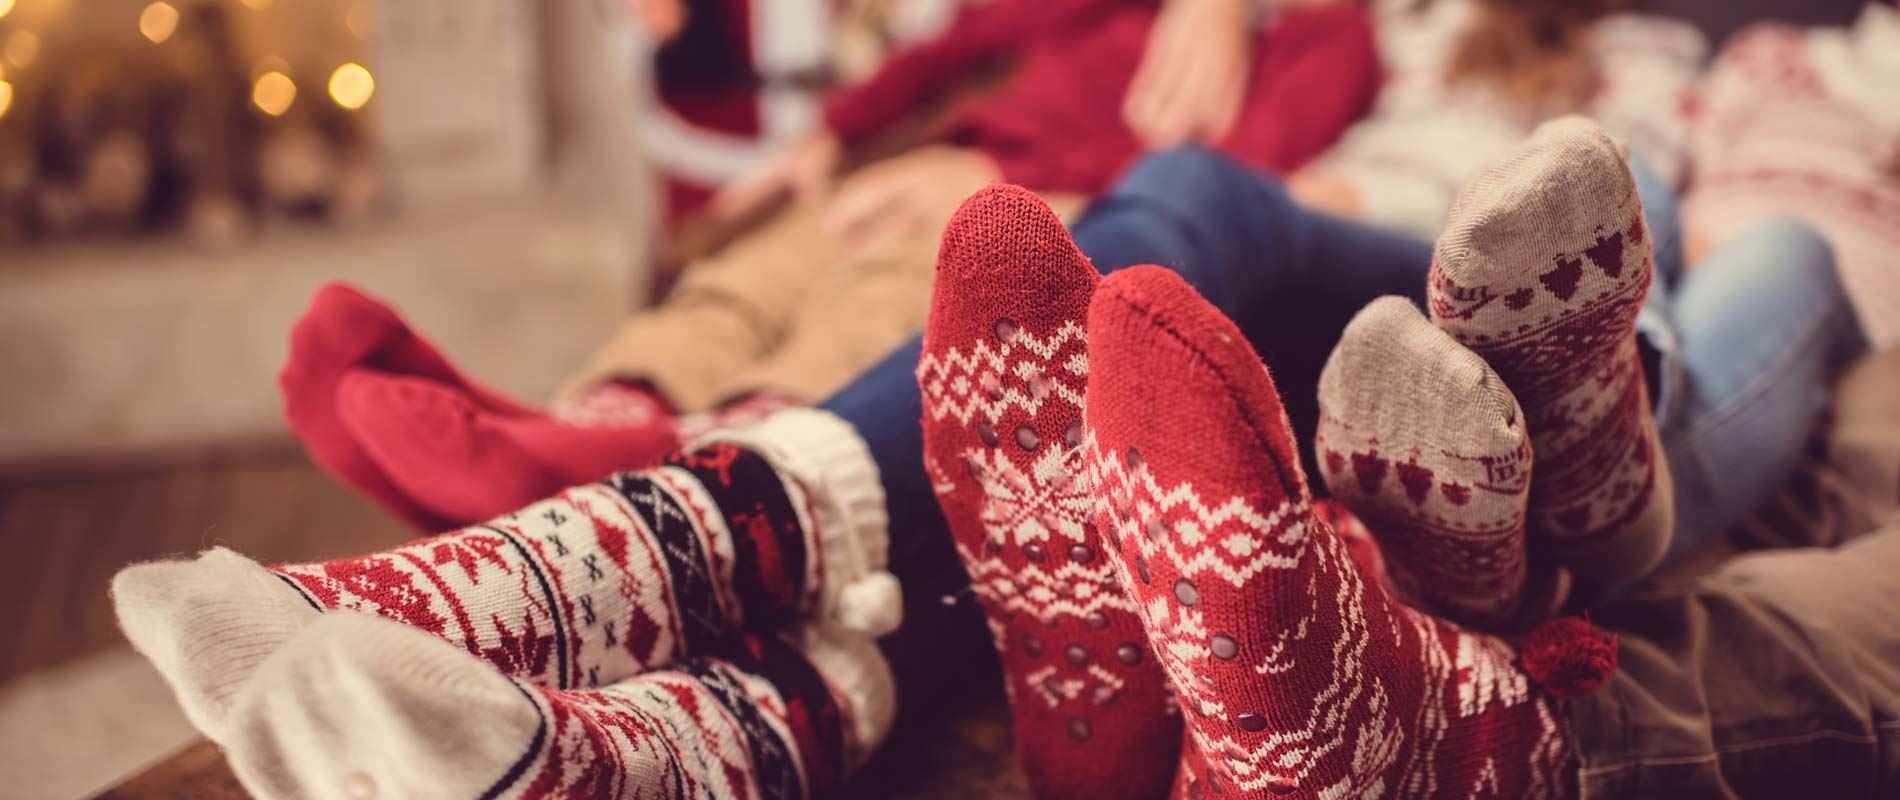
x,y
782,309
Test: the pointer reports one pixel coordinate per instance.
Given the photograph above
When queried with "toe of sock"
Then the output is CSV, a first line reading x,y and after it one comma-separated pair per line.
x,y
359,706
206,624
1168,368
1005,241
378,407
1558,192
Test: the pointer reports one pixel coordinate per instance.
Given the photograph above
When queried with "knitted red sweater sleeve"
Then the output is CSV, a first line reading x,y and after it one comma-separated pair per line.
x,y
916,73
1319,74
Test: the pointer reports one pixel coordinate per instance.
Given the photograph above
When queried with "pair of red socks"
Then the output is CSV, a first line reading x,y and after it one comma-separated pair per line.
x,y
1124,490
380,408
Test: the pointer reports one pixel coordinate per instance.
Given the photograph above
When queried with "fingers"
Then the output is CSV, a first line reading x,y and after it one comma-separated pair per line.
x,y
744,196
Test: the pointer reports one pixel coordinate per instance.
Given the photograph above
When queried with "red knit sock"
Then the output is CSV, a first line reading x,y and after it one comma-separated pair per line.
x,y
465,463
359,707
1002,377
1542,269
1295,675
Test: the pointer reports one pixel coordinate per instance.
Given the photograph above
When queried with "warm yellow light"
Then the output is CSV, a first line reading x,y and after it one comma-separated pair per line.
x,y
6,7
6,95
157,21
273,93
351,86
22,47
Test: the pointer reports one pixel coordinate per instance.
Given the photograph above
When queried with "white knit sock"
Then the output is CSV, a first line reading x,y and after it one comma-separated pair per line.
x,y
358,707
206,624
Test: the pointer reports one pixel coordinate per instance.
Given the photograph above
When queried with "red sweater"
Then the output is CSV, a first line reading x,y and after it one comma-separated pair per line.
x,y
1056,125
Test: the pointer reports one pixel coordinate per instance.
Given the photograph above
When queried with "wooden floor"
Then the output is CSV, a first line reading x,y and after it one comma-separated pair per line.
x,y
63,536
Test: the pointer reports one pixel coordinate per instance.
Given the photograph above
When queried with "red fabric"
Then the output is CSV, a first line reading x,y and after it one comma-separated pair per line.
x,y
1001,375
1295,674
344,330
466,462
1055,124
427,443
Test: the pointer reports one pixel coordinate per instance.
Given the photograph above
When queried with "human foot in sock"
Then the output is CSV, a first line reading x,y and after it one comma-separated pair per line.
x,y
1425,444
1541,270
360,707
1295,675
463,462
1002,377
597,583
345,330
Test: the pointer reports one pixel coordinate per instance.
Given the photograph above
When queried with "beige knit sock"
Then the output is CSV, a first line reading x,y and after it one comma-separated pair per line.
x,y
1541,270
750,530
358,707
1421,440
206,624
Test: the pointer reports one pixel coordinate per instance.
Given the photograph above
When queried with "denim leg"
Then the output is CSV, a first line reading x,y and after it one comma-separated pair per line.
x,y
1763,322
1290,278
1656,337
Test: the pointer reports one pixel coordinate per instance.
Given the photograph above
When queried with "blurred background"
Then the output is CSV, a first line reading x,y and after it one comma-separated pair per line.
x,y
177,177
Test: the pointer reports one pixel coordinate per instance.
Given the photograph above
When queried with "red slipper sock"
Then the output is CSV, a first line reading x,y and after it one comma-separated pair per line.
x,y
344,330
464,463
1296,676
1542,269
1002,375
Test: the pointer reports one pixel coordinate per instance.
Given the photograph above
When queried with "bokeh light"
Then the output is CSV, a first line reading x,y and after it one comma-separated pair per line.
x,y
6,96
273,93
6,7
351,85
259,5
21,48
157,21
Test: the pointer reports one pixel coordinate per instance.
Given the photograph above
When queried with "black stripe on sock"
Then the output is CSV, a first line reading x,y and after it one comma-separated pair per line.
x,y
554,605
702,622
772,757
745,486
516,770
298,588
800,686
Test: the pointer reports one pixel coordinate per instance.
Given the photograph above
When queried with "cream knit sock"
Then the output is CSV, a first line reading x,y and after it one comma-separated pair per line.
x,y
206,624
1541,270
358,707
1421,440
747,531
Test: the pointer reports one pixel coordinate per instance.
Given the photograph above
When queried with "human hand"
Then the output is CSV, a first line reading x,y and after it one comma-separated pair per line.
x,y
1193,73
917,190
803,171
1325,193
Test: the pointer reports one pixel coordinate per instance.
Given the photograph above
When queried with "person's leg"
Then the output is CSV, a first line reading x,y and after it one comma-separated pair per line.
x,y
1777,676
747,531
728,310
1763,323
361,707
1290,278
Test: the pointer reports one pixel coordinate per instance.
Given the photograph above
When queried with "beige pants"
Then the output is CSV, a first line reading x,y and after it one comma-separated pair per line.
x,y
782,309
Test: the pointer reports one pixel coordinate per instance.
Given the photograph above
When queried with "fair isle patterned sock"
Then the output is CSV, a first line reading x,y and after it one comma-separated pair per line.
x,y
580,590
1295,675
1541,270
1425,444
357,707
1002,376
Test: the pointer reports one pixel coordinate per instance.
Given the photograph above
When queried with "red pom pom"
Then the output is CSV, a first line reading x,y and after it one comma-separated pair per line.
x,y
1568,656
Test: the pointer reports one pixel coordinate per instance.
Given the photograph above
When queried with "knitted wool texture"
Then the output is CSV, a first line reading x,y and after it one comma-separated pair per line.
x,y
583,589
1422,441
1541,270
356,706
1002,376
1296,676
